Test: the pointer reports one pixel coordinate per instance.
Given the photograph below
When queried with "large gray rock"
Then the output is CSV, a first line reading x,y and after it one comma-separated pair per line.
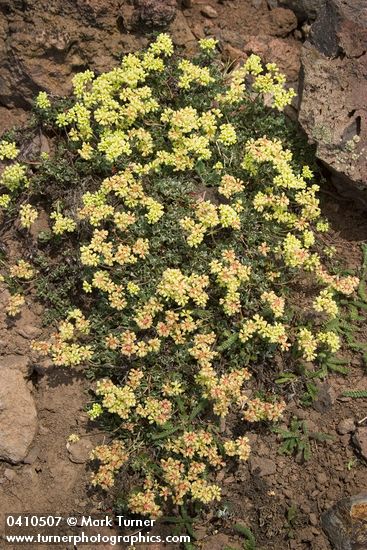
x,y
333,92
304,9
18,415
345,523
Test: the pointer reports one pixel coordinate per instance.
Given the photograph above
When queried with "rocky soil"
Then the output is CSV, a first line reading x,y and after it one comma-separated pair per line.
x,y
314,42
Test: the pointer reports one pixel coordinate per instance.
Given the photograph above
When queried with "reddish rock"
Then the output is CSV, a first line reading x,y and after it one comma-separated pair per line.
x,y
155,13
209,11
18,416
181,33
325,399
346,426
333,110
360,440
283,22
233,54
262,466
79,452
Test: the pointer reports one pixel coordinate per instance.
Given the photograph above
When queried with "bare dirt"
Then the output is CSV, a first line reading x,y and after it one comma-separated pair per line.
x,y
279,498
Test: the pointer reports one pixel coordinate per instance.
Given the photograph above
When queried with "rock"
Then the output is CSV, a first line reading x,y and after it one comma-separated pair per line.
x,y
79,452
313,519
285,53
126,18
345,523
322,479
306,534
232,38
304,9
181,32
283,22
334,93
18,416
31,456
155,13
346,426
29,332
262,466
9,474
209,11
187,4
326,397
198,31
20,363
233,54
360,440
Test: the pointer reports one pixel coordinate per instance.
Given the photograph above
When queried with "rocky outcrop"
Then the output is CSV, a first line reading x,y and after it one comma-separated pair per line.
x,y
18,416
333,92
155,13
305,10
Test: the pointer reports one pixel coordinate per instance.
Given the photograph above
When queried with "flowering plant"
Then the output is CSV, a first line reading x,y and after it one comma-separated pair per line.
x,y
190,228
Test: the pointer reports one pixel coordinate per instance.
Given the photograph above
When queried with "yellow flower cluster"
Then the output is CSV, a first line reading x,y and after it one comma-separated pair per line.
x,y
275,302
14,306
181,288
345,285
222,390
208,216
8,150
325,302
275,202
42,101
116,399
28,215
157,411
229,186
128,345
274,333
5,200
143,502
22,270
111,457
330,339
177,325
196,444
208,44
173,388
230,274
95,411
227,134
258,410
240,447
181,483
272,82
63,351
62,224
308,343
144,315
201,350
13,176
192,73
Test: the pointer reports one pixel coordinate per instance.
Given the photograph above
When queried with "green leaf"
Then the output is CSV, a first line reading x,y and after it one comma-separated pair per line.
x,y
286,377
197,409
